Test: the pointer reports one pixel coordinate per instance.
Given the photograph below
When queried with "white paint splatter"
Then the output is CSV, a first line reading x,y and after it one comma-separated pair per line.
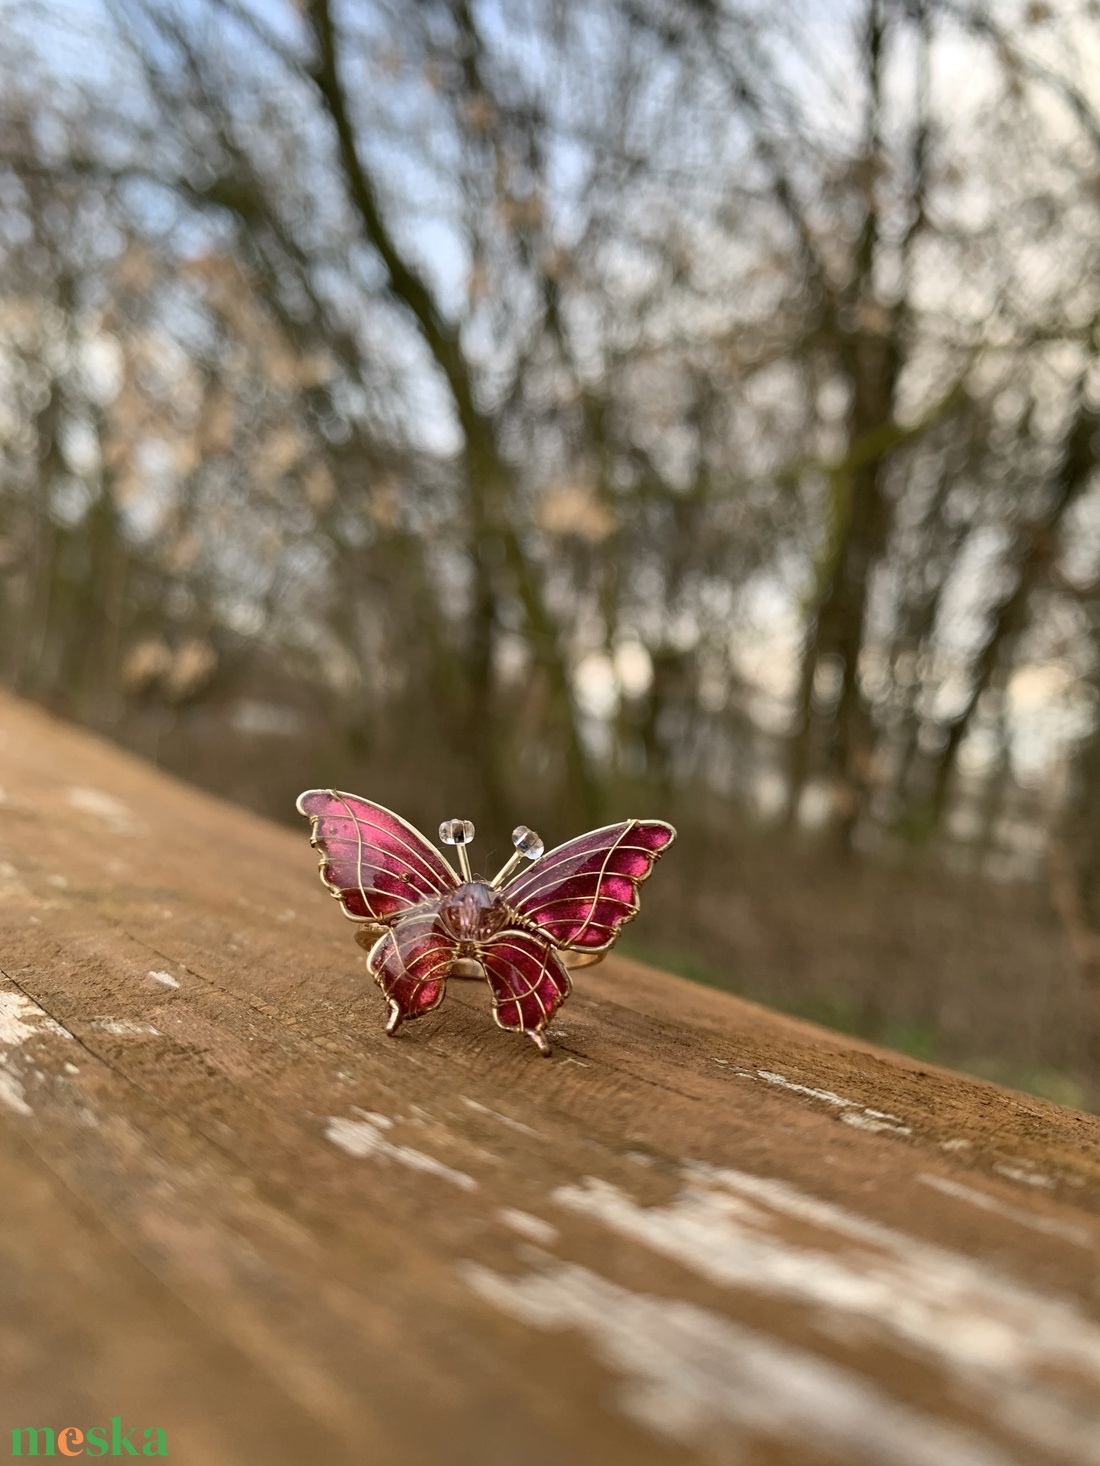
x,y
502,1119
698,1379
124,1027
1049,1226
21,1018
533,1228
1009,1343
165,979
363,1138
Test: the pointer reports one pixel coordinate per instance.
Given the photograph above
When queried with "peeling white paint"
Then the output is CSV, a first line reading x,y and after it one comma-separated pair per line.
x,y
363,1138
124,1027
1049,1226
517,1125
698,1379
165,979
1031,1359
11,1092
875,1120
381,1122
1024,1176
12,886
533,1228
15,1024
825,1095
117,816
853,1113
21,1018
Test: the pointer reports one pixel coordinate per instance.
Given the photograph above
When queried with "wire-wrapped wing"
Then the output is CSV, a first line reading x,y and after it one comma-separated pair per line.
x,y
527,979
411,960
372,860
583,893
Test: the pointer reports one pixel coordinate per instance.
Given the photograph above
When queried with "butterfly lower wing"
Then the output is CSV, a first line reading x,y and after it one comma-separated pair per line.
x,y
527,980
582,894
375,863
410,963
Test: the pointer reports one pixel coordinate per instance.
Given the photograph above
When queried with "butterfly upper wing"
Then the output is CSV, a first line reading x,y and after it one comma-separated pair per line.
x,y
372,860
527,979
583,893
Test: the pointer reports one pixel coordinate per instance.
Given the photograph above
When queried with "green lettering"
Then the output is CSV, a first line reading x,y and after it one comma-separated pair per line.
x,y
157,1446
121,1443
32,1439
97,1437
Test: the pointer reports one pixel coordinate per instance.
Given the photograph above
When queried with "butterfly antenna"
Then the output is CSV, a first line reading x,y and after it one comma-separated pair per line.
x,y
459,833
528,847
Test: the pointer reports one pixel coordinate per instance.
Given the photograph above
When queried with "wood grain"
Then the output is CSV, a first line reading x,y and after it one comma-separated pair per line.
x,y
233,1209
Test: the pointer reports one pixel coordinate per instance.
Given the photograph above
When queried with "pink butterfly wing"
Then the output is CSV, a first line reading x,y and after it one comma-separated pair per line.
x,y
375,862
410,963
583,893
527,979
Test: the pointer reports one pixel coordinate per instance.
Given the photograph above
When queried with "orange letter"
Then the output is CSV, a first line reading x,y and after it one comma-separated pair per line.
x,y
71,1442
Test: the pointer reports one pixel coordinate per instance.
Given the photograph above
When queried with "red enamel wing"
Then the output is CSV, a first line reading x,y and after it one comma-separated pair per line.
x,y
520,931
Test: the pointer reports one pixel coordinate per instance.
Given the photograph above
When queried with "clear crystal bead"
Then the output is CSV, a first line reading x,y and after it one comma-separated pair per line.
x,y
527,842
456,832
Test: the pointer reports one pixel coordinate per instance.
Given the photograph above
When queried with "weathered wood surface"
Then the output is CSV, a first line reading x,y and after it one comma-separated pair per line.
x,y
231,1208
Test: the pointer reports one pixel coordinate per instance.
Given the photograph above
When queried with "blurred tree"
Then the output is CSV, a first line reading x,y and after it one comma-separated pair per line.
x,y
562,398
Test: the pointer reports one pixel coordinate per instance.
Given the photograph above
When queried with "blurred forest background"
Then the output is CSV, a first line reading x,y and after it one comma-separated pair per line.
x,y
538,411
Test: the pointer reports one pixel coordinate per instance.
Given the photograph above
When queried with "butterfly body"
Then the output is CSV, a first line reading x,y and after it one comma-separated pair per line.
x,y
474,912
425,925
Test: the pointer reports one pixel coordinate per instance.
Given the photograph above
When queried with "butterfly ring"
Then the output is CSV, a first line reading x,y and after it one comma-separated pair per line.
x,y
424,925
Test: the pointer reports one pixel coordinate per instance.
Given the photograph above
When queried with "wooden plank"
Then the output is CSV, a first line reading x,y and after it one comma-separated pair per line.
x,y
235,1210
